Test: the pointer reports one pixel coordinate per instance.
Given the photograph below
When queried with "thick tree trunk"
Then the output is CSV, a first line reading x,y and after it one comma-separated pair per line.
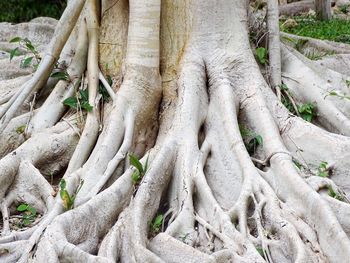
x,y
323,9
188,98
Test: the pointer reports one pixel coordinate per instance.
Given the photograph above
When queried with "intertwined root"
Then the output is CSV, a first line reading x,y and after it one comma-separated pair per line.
x,y
218,203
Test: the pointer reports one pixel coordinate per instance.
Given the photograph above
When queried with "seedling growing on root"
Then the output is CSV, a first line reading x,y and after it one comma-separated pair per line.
x,y
307,111
140,171
261,251
80,101
61,75
103,91
27,61
26,44
254,140
67,199
28,214
261,54
334,194
183,237
156,224
347,83
323,170
21,129
336,94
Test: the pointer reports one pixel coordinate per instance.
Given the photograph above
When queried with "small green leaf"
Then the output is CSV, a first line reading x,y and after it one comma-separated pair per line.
x,y
32,210
84,95
63,184
244,131
297,164
22,207
15,39
61,75
136,163
158,221
307,111
26,62
86,106
67,202
323,174
31,47
102,90
261,54
21,129
184,236
283,87
260,251
13,53
26,222
333,194
71,102
347,83
259,139
135,177
333,93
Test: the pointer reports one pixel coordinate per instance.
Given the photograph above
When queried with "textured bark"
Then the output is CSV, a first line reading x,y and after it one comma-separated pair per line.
x,y
323,9
186,89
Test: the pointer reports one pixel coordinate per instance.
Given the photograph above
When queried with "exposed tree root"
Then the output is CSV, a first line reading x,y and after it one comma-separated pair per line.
x,y
206,196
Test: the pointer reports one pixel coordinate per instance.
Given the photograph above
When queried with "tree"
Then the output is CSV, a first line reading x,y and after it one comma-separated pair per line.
x,y
226,171
323,9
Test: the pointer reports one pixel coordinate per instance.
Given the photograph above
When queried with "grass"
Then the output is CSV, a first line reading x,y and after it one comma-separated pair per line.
x,y
24,10
335,29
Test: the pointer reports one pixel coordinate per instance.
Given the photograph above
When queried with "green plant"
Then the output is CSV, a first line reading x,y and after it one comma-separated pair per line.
x,y
307,111
80,101
347,83
157,223
322,169
344,8
300,43
261,251
253,143
26,44
28,214
140,170
318,55
261,54
335,195
102,90
21,129
298,165
334,93
183,237
67,199
61,75
251,139
286,101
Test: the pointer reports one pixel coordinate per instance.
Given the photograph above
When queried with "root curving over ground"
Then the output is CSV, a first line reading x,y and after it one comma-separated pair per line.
x,y
234,171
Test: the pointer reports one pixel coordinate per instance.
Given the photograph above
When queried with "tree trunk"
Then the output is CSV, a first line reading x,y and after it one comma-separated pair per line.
x,y
323,9
232,175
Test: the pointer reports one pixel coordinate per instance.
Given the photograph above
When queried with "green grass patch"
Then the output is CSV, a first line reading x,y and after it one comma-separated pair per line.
x,y
335,29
